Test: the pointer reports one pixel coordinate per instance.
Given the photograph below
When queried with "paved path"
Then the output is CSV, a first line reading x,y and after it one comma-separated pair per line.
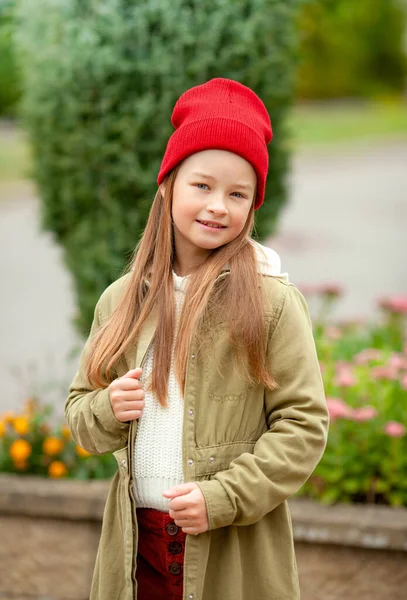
x,y
347,223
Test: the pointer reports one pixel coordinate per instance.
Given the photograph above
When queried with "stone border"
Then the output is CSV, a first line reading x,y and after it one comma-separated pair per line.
x,y
32,496
363,526
357,525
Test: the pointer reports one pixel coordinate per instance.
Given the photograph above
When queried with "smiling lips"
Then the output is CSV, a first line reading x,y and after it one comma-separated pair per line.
x,y
212,224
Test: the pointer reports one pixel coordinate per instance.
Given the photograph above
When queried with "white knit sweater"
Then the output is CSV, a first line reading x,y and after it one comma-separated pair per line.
x,y
158,445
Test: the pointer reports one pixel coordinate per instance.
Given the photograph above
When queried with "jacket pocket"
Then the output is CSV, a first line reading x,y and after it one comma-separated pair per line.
x,y
212,459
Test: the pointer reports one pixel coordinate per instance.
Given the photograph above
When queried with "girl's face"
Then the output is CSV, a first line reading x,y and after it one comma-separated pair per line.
x,y
213,193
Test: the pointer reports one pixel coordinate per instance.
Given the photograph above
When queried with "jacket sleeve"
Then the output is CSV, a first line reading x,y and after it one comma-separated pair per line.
x,y
297,419
88,411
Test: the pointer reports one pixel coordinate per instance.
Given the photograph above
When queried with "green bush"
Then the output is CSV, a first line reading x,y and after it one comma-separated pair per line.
x,y
352,48
9,75
100,82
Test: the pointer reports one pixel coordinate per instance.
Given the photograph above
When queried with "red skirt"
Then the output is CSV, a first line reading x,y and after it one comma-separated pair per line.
x,y
160,556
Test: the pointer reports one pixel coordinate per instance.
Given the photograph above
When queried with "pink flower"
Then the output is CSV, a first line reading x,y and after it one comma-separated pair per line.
x,y
333,333
322,367
394,304
395,429
308,289
367,355
345,378
338,409
351,323
344,374
404,382
365,413
342,365
321,289
385,372
397,361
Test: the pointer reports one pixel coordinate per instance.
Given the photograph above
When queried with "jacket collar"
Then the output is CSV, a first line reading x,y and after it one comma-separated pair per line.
x,y
268,262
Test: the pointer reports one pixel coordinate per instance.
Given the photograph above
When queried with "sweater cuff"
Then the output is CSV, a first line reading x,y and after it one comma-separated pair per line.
x,y
103,411
221,512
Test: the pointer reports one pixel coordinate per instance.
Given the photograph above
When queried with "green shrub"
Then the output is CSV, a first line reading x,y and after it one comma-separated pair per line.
x,y
100,82
9,75
352,48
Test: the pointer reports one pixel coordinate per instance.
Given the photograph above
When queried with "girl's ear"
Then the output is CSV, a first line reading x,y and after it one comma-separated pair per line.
x,y
161,187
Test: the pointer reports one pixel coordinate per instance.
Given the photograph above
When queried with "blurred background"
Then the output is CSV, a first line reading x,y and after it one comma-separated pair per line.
x,y
74,121
86,93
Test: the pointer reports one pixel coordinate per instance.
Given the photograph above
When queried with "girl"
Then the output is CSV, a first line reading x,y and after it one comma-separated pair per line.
x,y
200,374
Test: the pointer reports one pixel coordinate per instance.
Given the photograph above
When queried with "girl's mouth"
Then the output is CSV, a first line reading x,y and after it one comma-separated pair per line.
x,y
211,225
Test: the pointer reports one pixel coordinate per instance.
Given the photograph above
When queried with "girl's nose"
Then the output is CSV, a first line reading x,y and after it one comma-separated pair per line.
x,y
217,206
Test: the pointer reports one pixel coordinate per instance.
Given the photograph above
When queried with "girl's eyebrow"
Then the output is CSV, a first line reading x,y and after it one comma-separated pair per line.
x,y
243,186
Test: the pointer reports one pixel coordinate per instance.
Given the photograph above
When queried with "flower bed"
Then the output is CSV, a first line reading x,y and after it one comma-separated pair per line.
x,y
364,368
31,444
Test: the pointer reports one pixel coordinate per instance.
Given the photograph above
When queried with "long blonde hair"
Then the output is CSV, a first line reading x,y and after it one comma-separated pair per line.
x,y
234,298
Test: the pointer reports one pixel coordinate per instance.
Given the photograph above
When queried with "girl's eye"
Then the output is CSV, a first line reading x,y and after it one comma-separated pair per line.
x,y
202,186
239,195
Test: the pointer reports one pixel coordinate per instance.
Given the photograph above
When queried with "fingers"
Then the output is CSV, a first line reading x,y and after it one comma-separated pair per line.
x,y
128,383
187,507
181,503
180,490
127,396
130,415
134,373
193,530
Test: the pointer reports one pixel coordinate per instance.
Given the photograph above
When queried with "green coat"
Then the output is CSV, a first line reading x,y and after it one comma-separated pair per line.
x,y
248,449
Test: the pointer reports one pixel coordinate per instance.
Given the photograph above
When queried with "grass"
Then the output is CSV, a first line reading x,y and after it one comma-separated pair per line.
x,y
335,123
311,126
14,155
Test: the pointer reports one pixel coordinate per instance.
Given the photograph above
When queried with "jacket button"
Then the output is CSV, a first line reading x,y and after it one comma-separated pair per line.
x,y
211,459
174,547
190,462
172,529
124,464
175,568
191,412
193,356
191,597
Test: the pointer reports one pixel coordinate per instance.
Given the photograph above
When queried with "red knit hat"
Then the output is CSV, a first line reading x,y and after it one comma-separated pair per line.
x,y
225,115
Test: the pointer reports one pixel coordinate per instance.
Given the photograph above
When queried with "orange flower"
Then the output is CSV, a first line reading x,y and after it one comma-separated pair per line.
x,y
21,425
2,428
21,465
20,450
82,452
8,416
57,469
52,446
66,433
30,405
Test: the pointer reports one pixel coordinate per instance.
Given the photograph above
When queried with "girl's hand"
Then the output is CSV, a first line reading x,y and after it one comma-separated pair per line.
x,y
188,508
127,396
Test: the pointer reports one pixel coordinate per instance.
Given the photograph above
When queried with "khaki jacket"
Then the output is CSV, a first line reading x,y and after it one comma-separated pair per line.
x,y
248,449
